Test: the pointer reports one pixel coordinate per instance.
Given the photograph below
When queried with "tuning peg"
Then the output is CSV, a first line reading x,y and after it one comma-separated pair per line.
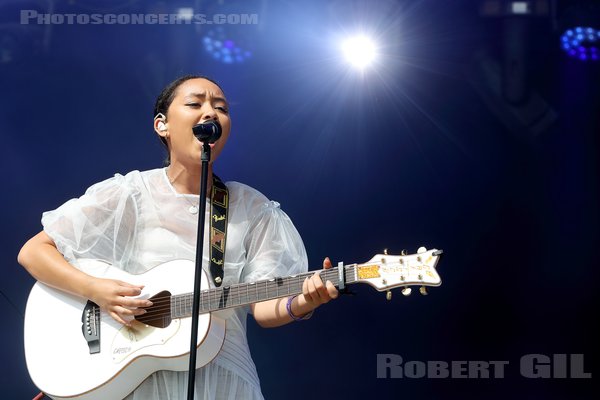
x,y
403,252
385,252
406,291
388,295
421,250
423,290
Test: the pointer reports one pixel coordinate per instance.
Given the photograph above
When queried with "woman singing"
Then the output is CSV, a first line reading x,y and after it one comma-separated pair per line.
x,y
143,219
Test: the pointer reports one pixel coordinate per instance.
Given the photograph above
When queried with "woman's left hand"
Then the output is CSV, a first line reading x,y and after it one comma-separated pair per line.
x,y
315,292
275,312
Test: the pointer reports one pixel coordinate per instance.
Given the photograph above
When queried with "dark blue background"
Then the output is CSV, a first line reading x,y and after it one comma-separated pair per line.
x,y
404,155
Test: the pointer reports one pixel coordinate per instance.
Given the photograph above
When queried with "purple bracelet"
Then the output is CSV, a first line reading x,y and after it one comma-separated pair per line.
x,y
288,306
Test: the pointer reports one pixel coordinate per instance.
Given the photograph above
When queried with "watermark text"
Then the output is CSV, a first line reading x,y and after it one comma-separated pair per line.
x,y
530,366
33,17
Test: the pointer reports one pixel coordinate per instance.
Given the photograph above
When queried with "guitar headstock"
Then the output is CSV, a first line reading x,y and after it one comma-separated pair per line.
x,y
385,272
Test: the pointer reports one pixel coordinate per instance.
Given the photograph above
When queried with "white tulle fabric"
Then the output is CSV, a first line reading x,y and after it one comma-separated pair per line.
x,y
139,221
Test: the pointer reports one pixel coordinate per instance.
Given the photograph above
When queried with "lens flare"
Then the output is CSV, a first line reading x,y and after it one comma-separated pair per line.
x,y
359,51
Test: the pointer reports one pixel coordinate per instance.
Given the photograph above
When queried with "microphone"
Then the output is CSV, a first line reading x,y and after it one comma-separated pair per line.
x,y
208,132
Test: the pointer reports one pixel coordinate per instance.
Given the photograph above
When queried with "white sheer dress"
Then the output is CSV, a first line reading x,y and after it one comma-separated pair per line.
x,y
139,221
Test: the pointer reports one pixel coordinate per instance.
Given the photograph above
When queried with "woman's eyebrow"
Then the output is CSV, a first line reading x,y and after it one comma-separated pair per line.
x,y
203,95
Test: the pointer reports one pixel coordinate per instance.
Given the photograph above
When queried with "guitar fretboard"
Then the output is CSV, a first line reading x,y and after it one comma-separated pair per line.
x,y
247,293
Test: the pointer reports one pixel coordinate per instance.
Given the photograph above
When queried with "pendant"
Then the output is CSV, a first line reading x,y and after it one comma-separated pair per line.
x,y
193,210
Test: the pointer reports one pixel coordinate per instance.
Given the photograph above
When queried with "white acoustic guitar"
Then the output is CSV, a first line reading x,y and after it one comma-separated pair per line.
x,y
76,351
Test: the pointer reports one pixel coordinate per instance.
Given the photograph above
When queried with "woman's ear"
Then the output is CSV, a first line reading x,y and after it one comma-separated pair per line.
x,y
161,126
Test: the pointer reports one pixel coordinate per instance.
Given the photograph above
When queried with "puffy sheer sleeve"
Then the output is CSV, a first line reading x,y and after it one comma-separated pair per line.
x,y
273,246
101,224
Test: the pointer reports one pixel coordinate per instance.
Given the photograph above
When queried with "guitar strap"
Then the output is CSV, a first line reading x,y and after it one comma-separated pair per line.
x,y
218,229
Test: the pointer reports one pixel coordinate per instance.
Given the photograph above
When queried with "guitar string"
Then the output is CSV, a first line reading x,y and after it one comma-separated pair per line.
x,y
236,293
162,305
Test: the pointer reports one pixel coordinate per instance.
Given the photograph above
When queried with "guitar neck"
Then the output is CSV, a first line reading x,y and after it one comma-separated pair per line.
x,y
247,293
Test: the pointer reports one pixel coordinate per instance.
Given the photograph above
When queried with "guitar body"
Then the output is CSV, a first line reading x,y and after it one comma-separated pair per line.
x,y
59,358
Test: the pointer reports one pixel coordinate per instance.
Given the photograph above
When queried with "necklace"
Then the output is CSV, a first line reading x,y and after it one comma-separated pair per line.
x,y
193,209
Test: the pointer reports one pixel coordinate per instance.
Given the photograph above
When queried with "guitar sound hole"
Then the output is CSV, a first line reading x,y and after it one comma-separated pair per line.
x,y
158,314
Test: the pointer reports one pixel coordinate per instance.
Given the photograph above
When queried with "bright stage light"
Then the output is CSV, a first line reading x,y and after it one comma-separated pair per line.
x,y
359,51
582,43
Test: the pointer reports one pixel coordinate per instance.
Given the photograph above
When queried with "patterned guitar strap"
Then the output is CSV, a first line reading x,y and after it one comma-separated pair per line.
x,y
218,229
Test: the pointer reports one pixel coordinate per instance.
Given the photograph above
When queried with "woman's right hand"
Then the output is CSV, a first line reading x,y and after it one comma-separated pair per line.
x,y
45,263
115,297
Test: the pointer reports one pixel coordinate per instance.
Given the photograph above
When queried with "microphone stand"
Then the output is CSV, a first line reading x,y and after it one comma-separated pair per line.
x,y
198,274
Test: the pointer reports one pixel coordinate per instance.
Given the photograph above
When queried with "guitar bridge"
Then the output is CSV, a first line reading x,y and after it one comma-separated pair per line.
x,y
90,326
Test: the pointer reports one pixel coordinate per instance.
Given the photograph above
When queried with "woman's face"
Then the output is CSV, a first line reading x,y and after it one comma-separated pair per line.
x,y
196,101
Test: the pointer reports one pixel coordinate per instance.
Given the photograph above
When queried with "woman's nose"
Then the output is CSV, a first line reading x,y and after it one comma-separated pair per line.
x,y
209,113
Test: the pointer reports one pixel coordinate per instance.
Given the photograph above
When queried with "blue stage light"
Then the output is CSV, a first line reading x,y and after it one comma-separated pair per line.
x,y
581,43
224,49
